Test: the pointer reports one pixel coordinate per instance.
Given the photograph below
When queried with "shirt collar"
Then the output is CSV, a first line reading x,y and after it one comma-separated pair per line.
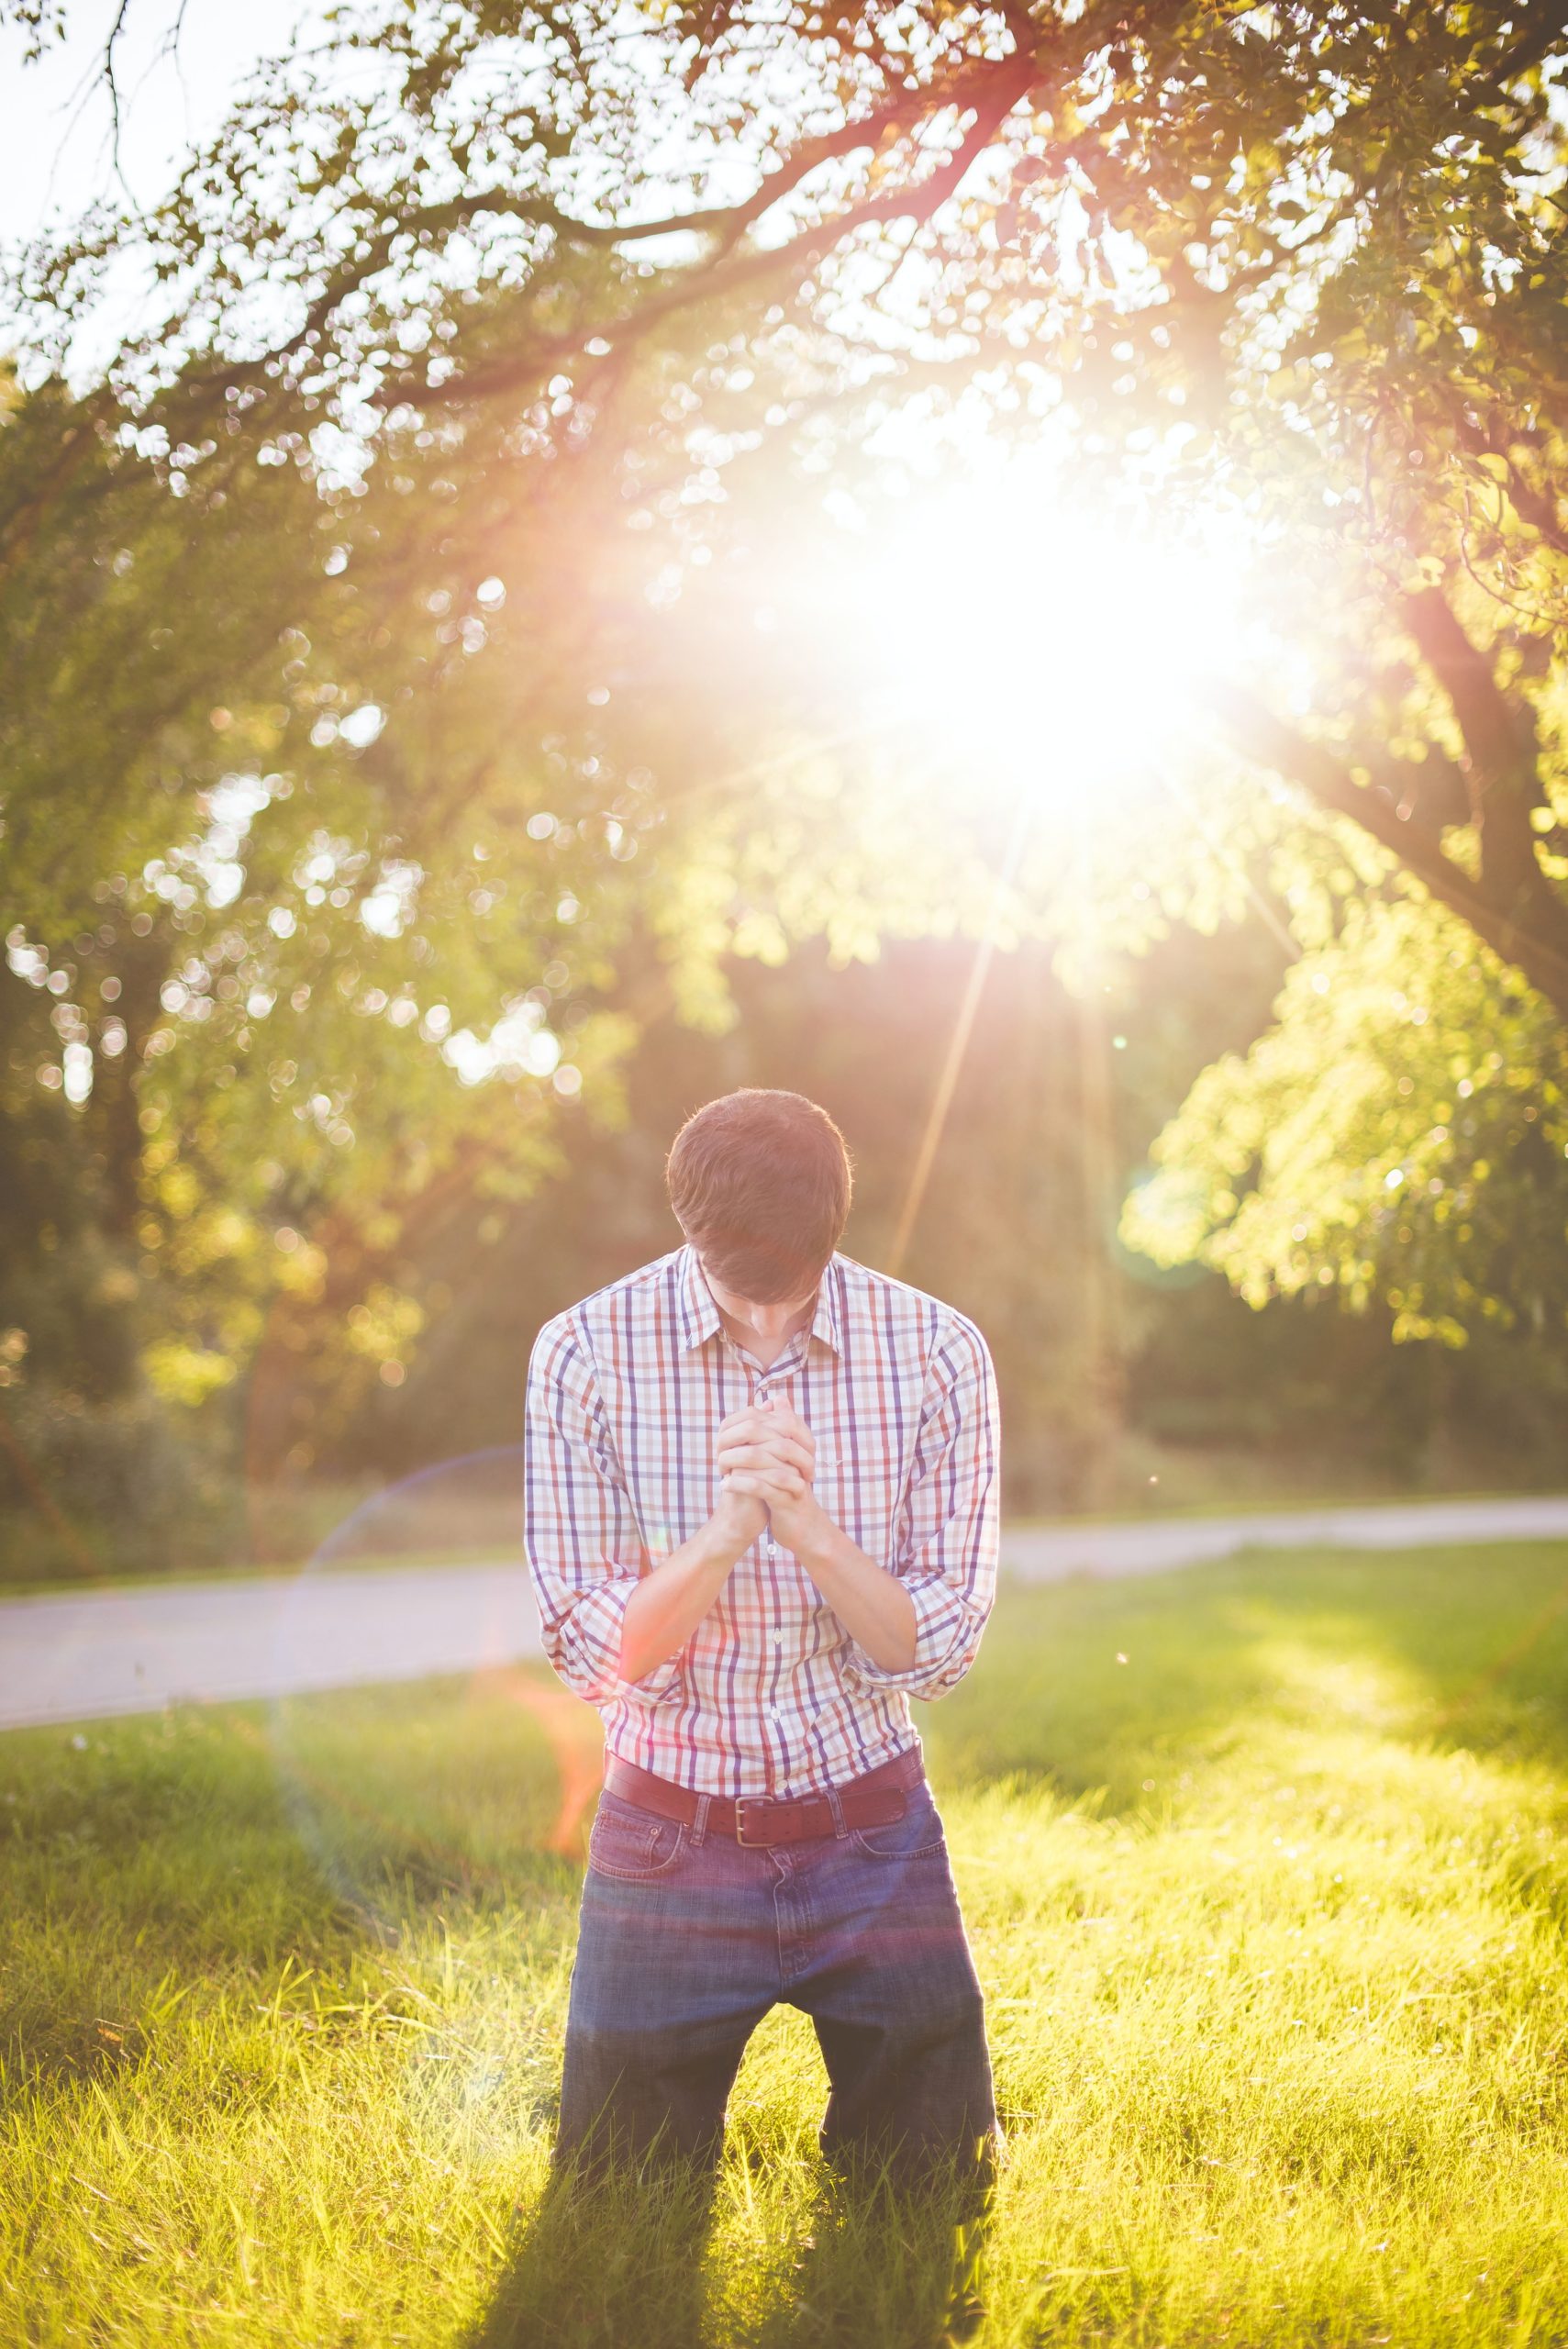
x,y
825,1321
700,1317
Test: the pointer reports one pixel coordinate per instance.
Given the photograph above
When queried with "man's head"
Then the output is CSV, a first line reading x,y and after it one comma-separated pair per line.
x,y
760,1183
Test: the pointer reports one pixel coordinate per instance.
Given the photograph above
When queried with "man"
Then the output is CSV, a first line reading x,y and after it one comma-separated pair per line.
x,y
761,1514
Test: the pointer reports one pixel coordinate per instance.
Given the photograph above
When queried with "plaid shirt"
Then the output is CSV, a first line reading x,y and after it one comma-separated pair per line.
x,y
769,1695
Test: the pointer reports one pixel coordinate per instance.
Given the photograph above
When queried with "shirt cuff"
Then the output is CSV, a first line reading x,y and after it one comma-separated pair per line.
x,y
944,1641
586,1649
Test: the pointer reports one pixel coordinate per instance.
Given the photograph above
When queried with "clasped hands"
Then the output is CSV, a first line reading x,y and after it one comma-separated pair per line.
x,y
768,1454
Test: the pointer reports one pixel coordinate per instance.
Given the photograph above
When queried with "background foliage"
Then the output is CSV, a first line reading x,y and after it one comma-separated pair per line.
x,y
421,783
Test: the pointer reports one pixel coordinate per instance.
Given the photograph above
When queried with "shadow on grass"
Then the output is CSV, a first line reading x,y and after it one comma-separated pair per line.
x,y
877,2263
631,2260
614,2263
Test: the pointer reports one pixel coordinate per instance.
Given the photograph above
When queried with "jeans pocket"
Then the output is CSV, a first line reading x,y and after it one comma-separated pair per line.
x,y
630,1843
909,1838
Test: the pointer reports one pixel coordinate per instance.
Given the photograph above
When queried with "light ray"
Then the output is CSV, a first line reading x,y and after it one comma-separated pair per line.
x,y
947,1082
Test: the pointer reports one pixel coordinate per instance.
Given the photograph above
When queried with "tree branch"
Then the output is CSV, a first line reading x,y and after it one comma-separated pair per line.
x,y
1501,748
111,83
1502,764
991,93
990,89
1548,25
1529,942
1535,509
730,220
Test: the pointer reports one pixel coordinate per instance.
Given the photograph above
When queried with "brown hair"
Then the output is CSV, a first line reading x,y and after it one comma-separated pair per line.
x,y
760,1183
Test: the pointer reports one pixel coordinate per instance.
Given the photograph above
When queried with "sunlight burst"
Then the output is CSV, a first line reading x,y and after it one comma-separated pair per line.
x,y
1034,642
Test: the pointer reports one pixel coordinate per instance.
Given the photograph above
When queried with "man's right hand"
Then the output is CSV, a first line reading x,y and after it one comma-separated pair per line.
x,y
738,1516
668,1604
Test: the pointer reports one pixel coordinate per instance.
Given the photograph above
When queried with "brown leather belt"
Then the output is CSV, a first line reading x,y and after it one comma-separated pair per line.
x,y
874,1800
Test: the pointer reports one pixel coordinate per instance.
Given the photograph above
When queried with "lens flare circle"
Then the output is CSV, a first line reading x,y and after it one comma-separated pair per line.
x,y
424,1751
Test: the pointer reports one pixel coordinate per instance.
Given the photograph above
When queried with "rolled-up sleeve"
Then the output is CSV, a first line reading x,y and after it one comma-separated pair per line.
x,y
581,1538
949,1526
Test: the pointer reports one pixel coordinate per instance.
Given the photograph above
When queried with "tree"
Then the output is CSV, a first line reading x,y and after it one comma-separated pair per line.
x,y
1386,300
421,276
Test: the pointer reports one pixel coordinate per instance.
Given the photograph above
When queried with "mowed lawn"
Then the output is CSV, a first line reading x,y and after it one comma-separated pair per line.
x,y
1265,1870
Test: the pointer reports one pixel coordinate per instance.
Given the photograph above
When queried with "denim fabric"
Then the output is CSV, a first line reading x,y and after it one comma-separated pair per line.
x,y
687,1939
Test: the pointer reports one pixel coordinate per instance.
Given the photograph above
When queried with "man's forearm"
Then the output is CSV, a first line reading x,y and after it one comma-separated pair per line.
x,y
769,1455
872,1604
668,1604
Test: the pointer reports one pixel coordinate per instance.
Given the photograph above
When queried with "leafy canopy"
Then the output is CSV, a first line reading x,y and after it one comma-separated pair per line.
x,y
377,732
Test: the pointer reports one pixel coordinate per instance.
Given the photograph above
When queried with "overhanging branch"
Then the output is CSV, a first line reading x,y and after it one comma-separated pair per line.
x,y
990,93
1502,765
1526,942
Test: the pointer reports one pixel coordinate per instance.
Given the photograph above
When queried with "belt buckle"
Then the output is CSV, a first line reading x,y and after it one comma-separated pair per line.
x,y
740,1803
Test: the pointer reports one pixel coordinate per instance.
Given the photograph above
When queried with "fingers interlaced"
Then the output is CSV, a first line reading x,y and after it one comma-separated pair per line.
x,y
767,1453
776,1483
780,1428
735,1453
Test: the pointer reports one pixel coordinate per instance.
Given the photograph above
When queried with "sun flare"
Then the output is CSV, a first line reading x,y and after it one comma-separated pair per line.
x,y
1032,640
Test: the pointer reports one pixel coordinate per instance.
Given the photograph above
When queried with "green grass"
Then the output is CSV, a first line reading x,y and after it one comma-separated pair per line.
x,y
1270,1917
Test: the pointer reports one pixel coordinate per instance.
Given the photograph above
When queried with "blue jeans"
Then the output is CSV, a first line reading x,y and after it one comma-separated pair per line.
x,y
686,1940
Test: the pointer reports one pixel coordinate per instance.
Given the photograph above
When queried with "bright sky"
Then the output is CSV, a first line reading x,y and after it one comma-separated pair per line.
x,y
56,153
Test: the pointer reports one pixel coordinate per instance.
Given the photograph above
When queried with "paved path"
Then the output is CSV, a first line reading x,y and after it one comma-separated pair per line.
x,y
1046,1554
103,1652
92,1654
